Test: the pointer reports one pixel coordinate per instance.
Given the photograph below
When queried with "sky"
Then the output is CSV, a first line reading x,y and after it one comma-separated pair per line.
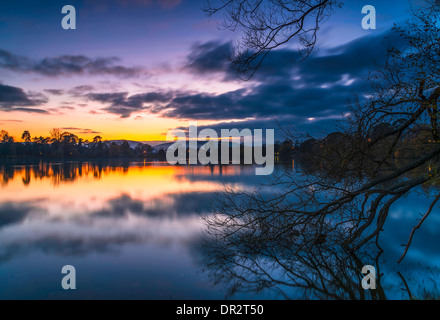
x,y
135,69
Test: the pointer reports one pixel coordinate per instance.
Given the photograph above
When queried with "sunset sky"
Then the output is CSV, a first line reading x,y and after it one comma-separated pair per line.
x,y
134,69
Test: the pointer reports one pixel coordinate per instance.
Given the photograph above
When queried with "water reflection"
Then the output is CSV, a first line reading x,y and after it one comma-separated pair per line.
x,y
95,196
127,227
255,252
72,171
133,230
328,272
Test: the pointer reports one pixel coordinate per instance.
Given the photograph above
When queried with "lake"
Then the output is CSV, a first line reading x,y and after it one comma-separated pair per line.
x,y
132,231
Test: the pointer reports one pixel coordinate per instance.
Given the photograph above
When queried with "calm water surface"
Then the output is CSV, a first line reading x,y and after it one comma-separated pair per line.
x,y
132,231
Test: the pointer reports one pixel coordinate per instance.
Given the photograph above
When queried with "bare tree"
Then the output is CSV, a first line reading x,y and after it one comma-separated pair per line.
x,y
389,147
269,24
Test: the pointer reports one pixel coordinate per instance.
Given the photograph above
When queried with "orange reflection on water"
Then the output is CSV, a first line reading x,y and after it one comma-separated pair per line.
x,y
77,188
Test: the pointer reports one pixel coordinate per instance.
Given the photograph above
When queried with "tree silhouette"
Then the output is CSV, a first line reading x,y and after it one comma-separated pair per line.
x,y
4,136
65,145
97,139
270,24
26,136
389,147
55,135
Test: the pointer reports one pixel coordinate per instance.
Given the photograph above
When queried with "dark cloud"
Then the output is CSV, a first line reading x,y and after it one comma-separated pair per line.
x,y
122,104
80,90
67,65
71,128
203,106
353,59
263,101
81,130
29,110
276,100
282,125
166,4
282,88
210,57
181,204
67,107
7,120
15,99
13,213
55,92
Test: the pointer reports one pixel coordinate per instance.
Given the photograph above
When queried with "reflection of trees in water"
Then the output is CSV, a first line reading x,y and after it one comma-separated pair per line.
x,y
268,240
389,147
253,261
249,254
60,172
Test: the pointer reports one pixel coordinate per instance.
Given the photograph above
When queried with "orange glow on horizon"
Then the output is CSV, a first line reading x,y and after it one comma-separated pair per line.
x,y
87,126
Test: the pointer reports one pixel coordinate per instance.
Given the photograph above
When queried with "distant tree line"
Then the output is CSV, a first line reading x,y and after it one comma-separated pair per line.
x,y
334,153
66,145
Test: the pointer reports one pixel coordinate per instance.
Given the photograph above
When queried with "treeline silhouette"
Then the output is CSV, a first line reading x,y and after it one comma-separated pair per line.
x,y
66,145
334,153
